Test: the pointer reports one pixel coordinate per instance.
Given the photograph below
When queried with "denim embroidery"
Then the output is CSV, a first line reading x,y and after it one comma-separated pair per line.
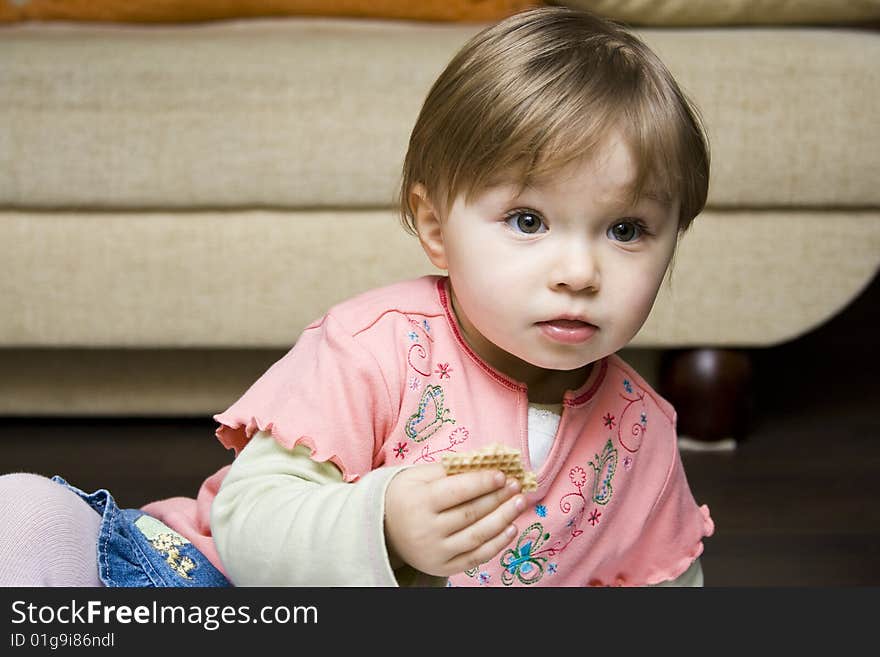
x,y
167,543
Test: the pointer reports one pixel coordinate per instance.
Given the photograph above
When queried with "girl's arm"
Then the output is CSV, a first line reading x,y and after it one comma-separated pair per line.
x,y
282,519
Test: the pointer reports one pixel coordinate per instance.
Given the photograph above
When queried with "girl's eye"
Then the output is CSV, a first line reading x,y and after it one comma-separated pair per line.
x,y
528,223
625,231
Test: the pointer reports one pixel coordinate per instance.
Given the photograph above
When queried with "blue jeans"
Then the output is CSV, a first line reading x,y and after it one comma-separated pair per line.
x,y
136,550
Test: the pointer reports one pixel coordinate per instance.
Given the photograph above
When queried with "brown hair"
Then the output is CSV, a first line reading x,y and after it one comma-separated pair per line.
x,y
541,89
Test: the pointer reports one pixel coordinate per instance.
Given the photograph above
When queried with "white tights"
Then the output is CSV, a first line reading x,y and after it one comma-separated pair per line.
x,y
48,535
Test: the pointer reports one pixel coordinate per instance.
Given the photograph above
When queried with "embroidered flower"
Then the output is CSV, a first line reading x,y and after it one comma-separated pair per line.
x,y
594,517
627,462
644,419
627,386
401,450
551,568
578,476
458,436
609,420
443,370
426,325
415,383
484,578
413,336
541,510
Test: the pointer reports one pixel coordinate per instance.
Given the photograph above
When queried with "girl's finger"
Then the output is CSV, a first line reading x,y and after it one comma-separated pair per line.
x,y
450,491
457,518
485,552
486,530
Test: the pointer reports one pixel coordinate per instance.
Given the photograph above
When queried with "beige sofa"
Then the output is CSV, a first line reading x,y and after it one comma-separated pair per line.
x,y
178,201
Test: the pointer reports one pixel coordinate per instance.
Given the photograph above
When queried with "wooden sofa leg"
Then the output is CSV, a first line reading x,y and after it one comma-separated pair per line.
x,y
711,390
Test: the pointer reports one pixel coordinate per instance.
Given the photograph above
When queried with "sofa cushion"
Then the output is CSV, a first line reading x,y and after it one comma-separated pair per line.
x,y
319,114
151,11
252,278
732,12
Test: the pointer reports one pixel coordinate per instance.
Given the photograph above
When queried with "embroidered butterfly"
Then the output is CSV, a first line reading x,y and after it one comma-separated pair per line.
x,y
604,467
521,561
430,416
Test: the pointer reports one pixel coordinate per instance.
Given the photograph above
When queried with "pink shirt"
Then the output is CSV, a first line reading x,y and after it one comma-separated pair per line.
x,y
386,378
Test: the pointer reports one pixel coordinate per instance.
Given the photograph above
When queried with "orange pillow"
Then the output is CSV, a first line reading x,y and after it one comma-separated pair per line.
x,y
170,11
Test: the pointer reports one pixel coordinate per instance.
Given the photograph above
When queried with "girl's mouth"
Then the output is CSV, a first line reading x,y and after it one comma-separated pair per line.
x,y
568,331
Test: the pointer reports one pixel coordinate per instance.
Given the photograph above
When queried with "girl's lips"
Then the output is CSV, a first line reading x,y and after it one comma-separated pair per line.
x,y
568,331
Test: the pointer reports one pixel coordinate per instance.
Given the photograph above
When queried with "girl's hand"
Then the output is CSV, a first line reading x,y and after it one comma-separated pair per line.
x,y
443,525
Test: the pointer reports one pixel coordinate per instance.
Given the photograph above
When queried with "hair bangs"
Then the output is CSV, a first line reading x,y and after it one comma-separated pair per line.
x,y
530,96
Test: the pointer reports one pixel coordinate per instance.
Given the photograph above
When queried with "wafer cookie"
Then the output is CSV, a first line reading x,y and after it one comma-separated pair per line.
x,y
492,457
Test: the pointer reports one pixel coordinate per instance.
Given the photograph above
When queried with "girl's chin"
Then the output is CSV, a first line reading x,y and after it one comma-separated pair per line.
x,y
523,361
557,364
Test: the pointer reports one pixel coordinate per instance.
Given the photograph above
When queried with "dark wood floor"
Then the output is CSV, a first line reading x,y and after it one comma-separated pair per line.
x,y
794,505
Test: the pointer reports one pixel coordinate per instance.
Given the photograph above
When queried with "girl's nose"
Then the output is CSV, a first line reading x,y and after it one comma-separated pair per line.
x,y
576,267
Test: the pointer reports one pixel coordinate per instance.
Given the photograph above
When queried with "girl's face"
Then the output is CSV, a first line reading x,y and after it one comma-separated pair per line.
x,y
559,275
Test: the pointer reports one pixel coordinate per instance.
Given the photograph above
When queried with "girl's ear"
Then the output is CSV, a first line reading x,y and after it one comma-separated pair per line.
x,y
428,226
